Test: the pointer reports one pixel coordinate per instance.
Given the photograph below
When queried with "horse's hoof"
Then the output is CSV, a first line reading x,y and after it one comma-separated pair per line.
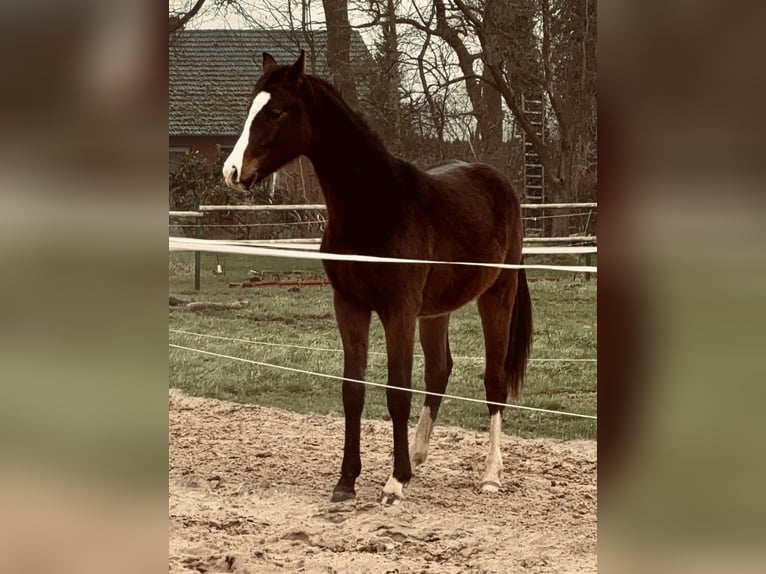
x,y
393,492
342,495
417,459
390,499
490,486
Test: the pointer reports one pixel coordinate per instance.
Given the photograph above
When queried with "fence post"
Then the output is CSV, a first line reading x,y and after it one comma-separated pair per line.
x,y
197,254
588,227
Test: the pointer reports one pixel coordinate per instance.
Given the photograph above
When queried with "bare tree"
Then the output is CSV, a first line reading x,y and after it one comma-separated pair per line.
x,y
568,81
507,52
484,97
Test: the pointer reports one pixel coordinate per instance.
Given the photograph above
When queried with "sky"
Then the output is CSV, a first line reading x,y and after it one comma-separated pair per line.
x,y
269,13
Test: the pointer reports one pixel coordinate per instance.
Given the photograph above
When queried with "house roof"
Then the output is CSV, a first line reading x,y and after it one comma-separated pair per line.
x,y
212,73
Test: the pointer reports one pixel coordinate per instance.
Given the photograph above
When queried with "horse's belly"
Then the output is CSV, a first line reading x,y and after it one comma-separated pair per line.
x,y
449,288
376,285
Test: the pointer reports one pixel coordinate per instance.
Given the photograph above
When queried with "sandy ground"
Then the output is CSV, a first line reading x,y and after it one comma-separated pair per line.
x,y
250,486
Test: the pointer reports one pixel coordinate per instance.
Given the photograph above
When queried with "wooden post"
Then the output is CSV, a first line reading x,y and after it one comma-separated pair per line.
x,y
197,254
588,227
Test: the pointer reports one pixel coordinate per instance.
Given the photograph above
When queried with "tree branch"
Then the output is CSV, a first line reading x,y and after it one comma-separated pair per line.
x,y
468,13
175,22
416,24
547,75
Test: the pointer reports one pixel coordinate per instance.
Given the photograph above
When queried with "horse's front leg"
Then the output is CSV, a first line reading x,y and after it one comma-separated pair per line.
x,y
400,337
354,325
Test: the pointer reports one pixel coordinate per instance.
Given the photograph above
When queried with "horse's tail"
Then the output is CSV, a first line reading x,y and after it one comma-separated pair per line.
x,y
520,341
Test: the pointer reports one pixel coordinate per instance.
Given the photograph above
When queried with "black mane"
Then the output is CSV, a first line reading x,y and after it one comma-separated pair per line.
x,y
324,87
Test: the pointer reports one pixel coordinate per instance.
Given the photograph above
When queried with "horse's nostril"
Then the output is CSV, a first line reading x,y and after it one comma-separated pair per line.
x,y
234,174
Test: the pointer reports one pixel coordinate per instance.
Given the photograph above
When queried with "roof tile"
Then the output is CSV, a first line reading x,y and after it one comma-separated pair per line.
x,y
212,73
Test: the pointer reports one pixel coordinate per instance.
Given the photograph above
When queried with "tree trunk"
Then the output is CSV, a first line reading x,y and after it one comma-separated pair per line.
x,y
490,123
391,54
339,49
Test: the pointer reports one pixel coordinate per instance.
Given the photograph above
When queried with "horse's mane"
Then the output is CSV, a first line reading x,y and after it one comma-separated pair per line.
x,y
318,87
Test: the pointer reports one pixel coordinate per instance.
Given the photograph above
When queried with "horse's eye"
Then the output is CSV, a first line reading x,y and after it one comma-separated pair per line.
x,y
276,112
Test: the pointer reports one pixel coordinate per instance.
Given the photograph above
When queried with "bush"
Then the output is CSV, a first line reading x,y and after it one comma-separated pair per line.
x,y
196,181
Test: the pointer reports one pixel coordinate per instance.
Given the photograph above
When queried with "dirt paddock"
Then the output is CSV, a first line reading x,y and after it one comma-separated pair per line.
x,y
250,486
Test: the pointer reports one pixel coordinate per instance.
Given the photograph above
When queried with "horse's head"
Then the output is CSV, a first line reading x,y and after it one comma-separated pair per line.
x,y
277,128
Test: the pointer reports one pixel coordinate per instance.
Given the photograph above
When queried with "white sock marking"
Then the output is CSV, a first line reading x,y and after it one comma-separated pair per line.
x,y
422,436
394,487
237,155
494,460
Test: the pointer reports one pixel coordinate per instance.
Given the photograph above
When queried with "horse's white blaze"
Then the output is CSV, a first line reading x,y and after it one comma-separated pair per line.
x,y
422,436
233,163
491,481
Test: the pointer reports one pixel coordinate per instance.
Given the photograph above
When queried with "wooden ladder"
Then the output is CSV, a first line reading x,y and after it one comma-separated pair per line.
x,y
534,173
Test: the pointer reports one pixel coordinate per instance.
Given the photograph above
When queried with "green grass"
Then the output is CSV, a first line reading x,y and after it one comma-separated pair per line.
x,y
565,327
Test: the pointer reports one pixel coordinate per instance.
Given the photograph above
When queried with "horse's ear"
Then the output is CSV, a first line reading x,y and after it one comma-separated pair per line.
x,y
295,73
268,62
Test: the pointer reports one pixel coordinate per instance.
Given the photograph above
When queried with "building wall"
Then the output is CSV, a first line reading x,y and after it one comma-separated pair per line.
x,y
298,183
206,145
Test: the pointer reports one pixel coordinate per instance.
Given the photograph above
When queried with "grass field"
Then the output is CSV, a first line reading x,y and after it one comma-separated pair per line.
x,y
565,327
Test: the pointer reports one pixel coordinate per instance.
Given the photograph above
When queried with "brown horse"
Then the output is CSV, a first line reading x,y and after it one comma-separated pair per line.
x,y
383,206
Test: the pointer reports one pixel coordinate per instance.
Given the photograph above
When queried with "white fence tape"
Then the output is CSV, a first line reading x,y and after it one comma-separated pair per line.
x,y
284,250
371,384
330,350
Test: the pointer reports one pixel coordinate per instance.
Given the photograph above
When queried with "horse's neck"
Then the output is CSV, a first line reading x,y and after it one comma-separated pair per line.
x,y
350,164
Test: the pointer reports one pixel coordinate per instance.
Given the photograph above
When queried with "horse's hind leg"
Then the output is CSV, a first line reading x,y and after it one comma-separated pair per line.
x,y
496,310
435,343
354,326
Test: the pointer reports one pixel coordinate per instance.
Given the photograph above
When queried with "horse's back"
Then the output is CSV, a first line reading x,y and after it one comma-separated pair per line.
x,y
474,179
445,166
475,200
